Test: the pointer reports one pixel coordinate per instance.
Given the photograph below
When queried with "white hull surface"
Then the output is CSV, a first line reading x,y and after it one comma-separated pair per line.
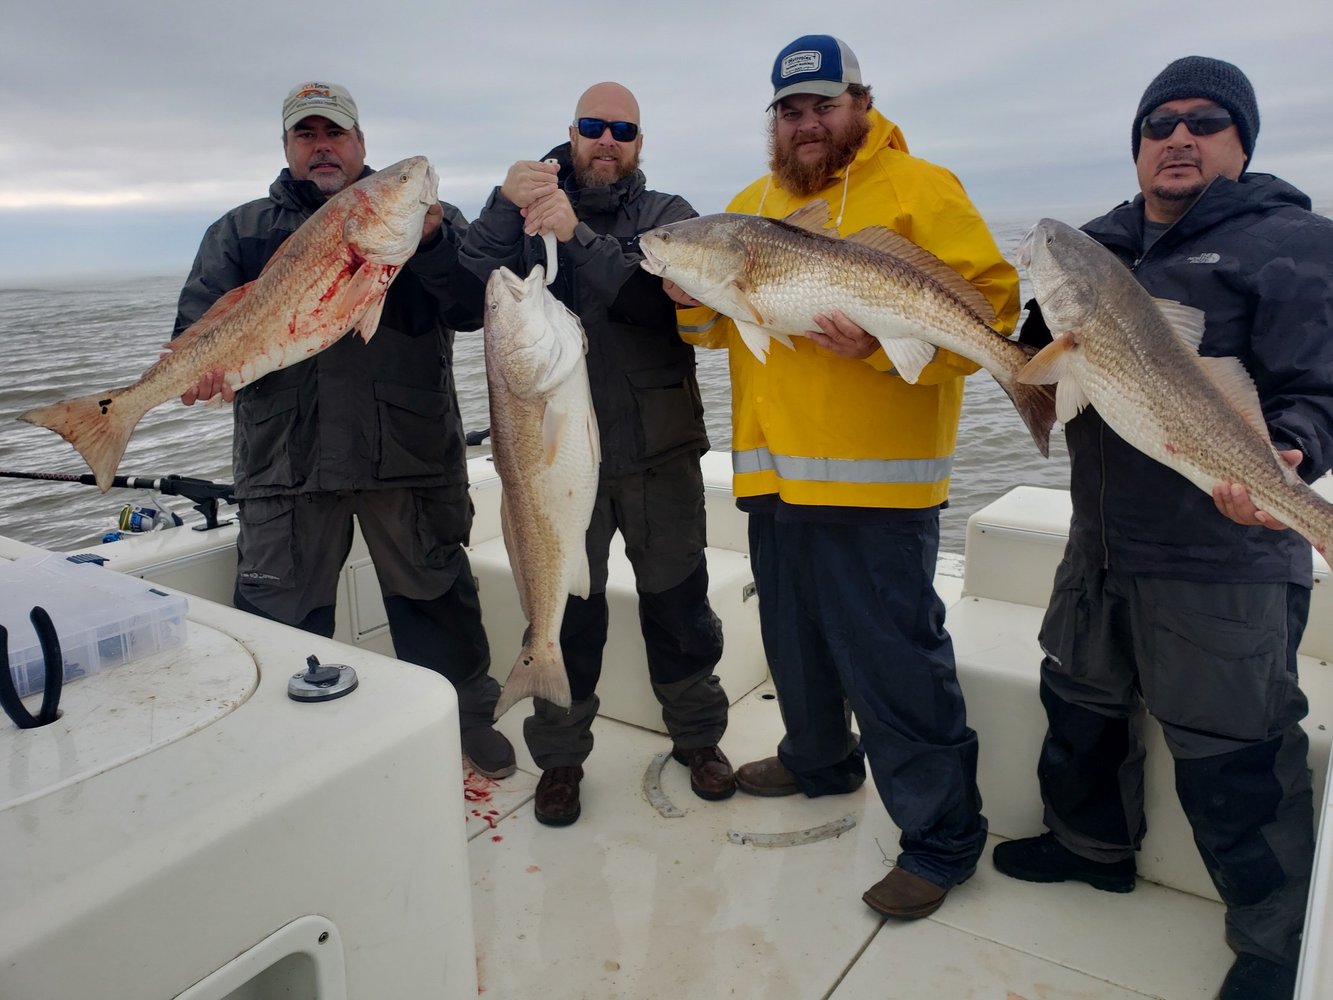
x,y
245,813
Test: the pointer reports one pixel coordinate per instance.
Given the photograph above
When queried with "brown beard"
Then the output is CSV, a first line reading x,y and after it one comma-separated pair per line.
x,y
804,179
588,176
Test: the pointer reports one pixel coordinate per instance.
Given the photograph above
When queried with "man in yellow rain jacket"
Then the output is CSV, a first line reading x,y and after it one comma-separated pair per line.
x,y
843,467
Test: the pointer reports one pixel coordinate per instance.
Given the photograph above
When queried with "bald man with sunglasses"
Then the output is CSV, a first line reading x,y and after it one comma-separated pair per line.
x,y
1192,606
590,193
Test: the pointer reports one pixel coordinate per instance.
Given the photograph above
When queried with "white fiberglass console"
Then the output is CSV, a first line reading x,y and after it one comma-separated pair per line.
x,y
186,829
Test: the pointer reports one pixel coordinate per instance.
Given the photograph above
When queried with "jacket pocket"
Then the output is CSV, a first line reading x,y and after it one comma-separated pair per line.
x,y
670,412
264,427
417,433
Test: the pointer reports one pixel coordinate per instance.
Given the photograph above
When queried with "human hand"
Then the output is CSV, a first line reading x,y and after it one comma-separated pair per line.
x,y
529,180
678,295
208,386
431,224
552,213
1233,499
842,337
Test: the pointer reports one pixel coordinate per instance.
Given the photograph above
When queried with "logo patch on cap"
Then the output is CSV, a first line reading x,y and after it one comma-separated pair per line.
x,y
315,93
805,61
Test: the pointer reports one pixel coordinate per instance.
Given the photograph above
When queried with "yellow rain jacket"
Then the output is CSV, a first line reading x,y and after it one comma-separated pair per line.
x,y
816,428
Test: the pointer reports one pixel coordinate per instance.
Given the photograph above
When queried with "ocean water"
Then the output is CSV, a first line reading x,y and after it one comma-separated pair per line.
x,y
68,341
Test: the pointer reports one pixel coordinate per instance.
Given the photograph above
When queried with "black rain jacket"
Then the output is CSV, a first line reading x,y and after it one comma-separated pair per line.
x,y
644,388
1252,256
356,416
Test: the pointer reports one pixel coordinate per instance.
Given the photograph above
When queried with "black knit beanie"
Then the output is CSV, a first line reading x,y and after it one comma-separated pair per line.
x,y
1213,79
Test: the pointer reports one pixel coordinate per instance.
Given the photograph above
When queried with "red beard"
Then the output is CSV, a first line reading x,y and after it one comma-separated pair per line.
x,y
804,179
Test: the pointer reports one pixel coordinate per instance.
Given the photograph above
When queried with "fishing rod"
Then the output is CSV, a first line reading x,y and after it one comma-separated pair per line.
x,y
204,493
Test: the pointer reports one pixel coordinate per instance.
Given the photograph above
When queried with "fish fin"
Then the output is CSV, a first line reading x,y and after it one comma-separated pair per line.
x,y
97,428
277,254
1036,406
594,432
216,312
536,676
370,284
813,218
896,245
553,430
581,585
1186,322
1234,384
1069,400
1051,363
370,320
908,355
756,339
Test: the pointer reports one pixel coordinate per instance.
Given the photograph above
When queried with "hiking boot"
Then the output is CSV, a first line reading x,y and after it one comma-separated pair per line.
x,y
904,895
768,777
1255,978
711,776
557,799
1044,859
489,752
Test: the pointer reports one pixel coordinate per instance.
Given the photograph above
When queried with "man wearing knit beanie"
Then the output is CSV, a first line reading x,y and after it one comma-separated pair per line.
x,y
1191,606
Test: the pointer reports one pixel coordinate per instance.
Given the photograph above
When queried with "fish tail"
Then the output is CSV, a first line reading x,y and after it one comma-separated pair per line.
x,y
95,425
535,676
1036,405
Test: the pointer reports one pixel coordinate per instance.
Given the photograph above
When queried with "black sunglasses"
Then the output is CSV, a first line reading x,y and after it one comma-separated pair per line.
x,y
592,128
1201,121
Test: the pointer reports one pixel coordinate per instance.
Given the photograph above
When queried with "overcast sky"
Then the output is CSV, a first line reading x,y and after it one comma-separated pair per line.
x,y
127,128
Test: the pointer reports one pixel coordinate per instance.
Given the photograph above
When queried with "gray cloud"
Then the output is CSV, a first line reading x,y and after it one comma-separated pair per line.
x,y
127,128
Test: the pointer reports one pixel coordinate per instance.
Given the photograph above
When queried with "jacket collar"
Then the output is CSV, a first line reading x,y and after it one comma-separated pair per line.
x,y
605,199
1222,199
301,196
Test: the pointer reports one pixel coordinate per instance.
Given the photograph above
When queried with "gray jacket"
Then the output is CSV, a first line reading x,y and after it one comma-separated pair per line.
x,y
356,416
642,374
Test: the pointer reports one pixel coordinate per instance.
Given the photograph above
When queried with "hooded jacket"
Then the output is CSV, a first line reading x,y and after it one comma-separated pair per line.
x,y
1251,255
644,388
817,429
356,416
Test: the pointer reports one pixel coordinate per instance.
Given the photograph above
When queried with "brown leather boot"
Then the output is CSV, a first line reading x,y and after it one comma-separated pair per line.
x,y
905,895
768,777
711,776
557,799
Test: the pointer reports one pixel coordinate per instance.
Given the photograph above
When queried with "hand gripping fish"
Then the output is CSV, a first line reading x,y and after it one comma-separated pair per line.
x,y
773,276
547,452
328,278
1135,358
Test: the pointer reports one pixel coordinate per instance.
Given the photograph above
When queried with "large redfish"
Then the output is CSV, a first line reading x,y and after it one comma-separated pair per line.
x,y
547,452
772,276
328,278
1135,358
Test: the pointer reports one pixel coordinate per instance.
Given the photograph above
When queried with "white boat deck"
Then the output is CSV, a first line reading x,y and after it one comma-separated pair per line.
x,y
625,903
628,904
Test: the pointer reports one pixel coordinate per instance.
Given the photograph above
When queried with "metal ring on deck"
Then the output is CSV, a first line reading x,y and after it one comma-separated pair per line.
x,y
652,788
794,838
